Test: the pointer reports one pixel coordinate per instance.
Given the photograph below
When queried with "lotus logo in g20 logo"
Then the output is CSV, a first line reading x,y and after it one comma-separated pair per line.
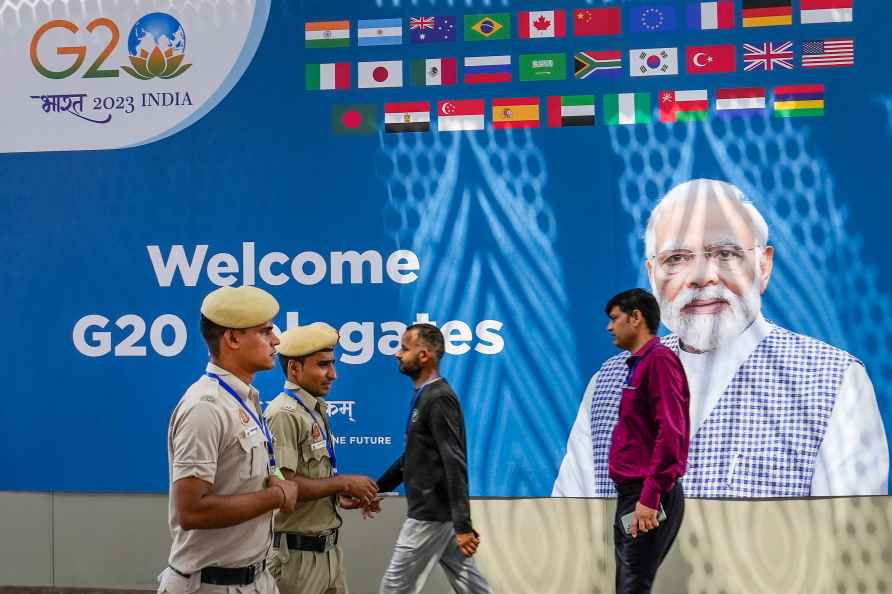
x,y
157,46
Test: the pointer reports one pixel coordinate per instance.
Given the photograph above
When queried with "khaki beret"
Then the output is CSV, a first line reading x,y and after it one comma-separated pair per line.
x,y
306,340
239,307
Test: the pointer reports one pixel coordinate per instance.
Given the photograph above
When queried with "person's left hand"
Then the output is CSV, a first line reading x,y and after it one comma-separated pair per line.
x,y
644,519
347,502
468,543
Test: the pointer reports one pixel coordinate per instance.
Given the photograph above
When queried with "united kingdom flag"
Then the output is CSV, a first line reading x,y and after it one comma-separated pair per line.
x,y
768,56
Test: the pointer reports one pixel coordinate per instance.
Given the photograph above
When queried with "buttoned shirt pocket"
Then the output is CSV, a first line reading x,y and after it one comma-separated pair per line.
x,y
315,460
256,457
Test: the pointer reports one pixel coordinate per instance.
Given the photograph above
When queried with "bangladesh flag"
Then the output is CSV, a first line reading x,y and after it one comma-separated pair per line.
x,y
487,27
627,108
354,119
535,67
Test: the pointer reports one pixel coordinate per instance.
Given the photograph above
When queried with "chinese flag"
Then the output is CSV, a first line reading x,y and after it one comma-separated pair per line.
x,y
597,21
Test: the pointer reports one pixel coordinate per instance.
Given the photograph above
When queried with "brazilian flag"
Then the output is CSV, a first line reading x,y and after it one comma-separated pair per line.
x,y
487,27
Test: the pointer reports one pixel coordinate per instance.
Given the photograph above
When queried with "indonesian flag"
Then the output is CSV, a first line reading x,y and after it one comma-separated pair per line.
x,y
541,23
683,106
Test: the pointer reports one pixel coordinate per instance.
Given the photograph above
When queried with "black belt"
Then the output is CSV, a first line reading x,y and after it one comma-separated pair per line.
x,y
232,576
630,488
303,542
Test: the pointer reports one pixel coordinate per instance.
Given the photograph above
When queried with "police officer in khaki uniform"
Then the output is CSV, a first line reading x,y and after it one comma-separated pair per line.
x,y
306,558
222,494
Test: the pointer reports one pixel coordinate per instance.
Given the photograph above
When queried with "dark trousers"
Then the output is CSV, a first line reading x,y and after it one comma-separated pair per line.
x,y
637,559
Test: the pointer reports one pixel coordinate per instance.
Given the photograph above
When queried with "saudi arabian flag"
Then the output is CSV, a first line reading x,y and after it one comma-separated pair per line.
x,y
535,67
627,108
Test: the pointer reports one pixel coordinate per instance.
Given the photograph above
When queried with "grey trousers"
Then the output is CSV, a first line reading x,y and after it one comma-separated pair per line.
x,y
419,547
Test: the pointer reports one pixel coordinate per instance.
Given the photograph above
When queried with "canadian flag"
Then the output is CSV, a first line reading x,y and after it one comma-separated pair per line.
x,y
541,23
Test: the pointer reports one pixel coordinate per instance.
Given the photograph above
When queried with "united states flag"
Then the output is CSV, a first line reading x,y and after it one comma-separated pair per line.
x,y
768,56
828,53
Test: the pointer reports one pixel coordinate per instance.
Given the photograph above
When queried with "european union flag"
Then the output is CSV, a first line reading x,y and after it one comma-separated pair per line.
x,y
651,17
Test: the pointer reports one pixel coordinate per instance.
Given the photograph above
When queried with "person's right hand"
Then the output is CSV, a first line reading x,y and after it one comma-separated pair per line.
x,y
372,509
359,487
290,490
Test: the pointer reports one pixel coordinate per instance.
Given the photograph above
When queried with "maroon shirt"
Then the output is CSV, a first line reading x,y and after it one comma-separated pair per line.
x,y
650,439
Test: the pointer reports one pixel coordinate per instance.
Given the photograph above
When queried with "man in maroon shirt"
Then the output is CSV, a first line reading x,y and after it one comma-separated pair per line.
x,y
649,447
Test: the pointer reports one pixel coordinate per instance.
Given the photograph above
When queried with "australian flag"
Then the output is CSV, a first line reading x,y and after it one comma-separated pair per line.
x,y
432,29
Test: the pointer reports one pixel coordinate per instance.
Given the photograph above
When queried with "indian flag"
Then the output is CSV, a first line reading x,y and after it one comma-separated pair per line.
x,y
327,34
627,108
519,112
327,77
571,110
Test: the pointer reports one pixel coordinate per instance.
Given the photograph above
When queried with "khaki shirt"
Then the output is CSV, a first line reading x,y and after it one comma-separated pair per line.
x,y
211,437
300,443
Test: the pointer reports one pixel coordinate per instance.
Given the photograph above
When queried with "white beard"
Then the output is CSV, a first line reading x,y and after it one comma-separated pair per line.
x,y
707,332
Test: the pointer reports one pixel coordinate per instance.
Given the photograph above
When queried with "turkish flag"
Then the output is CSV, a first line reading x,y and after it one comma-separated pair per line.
x,y
707,59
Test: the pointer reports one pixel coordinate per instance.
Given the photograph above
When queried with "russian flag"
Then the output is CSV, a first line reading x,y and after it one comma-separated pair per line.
x,y
487,69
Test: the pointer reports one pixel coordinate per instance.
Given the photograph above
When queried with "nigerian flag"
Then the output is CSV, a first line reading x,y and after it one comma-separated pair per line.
x,y
627,108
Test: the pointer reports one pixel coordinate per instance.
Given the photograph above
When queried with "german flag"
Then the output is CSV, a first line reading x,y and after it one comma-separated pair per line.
x,y
767,13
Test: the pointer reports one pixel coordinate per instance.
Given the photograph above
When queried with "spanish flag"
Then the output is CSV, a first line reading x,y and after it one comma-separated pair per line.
x,y
520,112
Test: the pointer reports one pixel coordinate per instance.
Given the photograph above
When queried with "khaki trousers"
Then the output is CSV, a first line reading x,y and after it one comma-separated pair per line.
x,y
308,572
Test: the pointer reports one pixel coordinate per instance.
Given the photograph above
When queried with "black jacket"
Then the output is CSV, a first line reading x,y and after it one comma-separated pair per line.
x,y
434,464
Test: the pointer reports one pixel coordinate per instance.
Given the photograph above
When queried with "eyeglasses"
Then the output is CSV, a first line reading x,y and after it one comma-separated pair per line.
x,y
728,258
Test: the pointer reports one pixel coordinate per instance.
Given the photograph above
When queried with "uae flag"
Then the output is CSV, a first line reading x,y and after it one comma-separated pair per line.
x,y
597,21
825,11
740,101
541,24
683,106
627,108
373,75
767,13
707,16
571,110
433,72
455,116
407,117
327,77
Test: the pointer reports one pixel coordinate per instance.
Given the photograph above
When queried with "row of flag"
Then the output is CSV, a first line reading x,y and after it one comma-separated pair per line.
x,y
543,24
701,59
579,110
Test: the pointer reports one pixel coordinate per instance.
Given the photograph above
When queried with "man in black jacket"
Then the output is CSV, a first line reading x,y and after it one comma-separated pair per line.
x,y
435,469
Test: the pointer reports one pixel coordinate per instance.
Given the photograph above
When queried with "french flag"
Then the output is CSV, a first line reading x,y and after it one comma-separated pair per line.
x,y
704,16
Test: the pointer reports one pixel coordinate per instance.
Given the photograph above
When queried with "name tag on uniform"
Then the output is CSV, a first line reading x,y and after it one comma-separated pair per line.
x,y
251,431
318,445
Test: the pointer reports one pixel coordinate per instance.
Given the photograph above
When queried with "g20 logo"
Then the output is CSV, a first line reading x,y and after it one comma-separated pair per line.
x,y
156,47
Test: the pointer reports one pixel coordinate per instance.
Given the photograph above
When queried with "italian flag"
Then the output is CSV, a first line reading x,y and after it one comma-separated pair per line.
x,y
327,77
683,106
627,108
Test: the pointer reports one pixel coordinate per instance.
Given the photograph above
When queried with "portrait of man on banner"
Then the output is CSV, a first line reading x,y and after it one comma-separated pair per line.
x,y
774,413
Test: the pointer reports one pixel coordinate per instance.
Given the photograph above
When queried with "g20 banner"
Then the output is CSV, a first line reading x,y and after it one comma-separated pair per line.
x,y
499,172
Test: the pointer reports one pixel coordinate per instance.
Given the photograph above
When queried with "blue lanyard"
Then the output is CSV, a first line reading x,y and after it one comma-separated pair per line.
x,y
415,398
248,409
329,444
